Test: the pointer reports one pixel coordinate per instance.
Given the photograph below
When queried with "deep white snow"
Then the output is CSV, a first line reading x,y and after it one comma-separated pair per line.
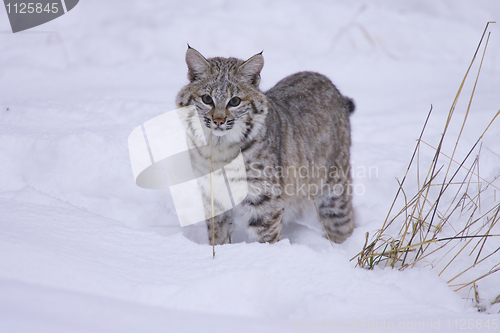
x,y
83,249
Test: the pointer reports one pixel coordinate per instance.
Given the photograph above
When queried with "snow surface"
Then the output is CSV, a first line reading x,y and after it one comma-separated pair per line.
x,y
83,249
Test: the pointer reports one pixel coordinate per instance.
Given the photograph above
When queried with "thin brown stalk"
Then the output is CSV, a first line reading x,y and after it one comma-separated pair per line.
x,y
474,281
212,190
492,224
463,247
364,249
472,266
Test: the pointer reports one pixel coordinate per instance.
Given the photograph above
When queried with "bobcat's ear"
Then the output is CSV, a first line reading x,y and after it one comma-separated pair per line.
x,y
251,68
198,66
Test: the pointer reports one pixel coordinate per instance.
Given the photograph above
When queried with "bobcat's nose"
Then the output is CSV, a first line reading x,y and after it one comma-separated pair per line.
x,y
219,121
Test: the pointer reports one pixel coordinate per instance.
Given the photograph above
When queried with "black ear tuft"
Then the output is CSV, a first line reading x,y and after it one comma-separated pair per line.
x,y
198,66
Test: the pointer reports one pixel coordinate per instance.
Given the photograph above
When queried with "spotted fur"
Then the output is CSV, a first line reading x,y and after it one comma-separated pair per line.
x,y
302,123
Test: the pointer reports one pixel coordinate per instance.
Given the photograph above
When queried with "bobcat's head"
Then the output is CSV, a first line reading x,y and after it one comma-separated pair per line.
x,y
225,92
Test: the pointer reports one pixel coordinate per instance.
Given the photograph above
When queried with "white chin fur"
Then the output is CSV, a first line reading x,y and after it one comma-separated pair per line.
x,y
220,132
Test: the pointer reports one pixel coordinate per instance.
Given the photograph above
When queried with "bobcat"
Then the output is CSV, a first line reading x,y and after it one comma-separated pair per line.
x,y
295,141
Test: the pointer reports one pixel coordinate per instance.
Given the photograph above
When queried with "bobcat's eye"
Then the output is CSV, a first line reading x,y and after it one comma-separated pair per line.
x,y
235,101
207,99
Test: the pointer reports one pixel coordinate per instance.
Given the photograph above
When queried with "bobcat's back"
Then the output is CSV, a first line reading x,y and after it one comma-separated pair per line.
x,y
309,121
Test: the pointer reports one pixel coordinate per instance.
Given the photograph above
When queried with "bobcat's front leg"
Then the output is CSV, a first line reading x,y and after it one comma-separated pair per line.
x,y
223,226
266,213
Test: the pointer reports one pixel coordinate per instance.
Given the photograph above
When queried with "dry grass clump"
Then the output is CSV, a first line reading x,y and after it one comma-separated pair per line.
x,y
451,223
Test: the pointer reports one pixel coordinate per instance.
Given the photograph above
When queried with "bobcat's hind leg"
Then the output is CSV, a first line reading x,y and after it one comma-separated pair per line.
x,y
335,210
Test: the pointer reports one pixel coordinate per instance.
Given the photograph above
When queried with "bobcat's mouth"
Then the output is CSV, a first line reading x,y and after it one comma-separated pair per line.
x,y
219,127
